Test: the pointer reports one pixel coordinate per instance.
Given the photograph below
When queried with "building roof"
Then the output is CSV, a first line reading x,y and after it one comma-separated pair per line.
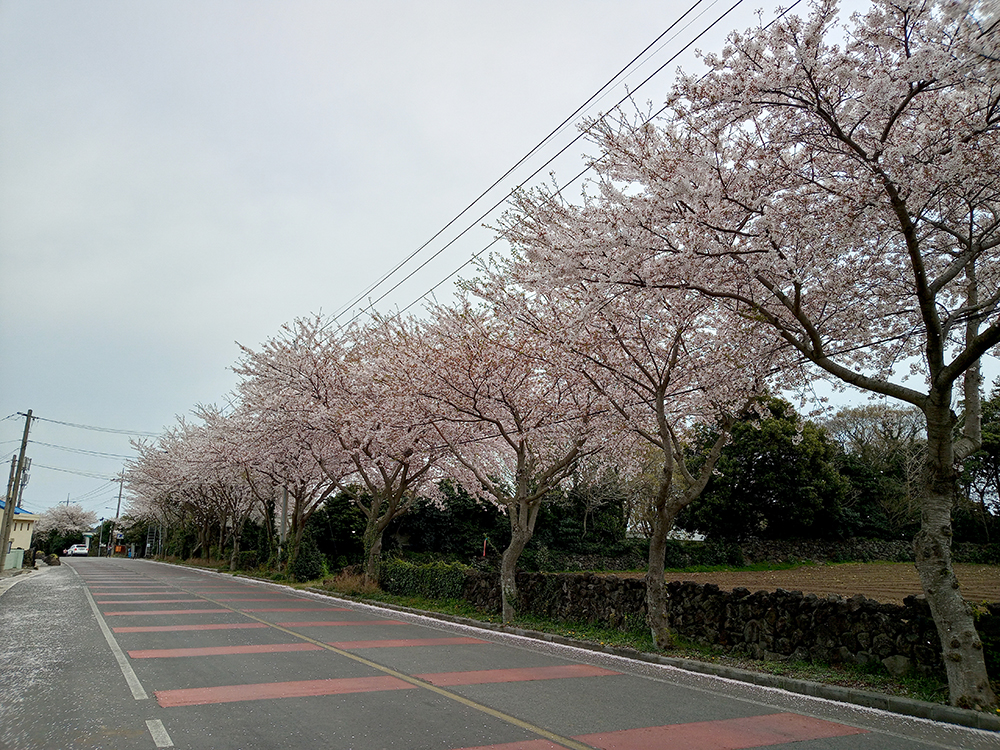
x,y
17,511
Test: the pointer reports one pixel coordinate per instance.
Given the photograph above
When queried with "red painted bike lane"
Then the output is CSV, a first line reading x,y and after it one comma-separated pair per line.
x,y
234,663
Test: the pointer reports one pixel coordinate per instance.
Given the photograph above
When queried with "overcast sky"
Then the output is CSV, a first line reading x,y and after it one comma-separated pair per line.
x,y
177,176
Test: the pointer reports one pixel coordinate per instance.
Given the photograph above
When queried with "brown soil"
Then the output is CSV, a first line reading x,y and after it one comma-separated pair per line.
x,y
885,582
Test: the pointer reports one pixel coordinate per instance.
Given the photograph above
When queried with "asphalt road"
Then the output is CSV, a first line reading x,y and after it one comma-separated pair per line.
x,y
123,654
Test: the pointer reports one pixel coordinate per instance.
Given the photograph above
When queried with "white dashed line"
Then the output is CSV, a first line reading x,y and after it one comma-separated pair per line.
x,y
159,733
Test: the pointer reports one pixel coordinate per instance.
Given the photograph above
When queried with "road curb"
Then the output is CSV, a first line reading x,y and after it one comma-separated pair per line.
x,y
891,703
14,576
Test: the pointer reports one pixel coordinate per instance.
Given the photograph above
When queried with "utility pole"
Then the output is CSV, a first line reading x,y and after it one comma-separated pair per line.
x,y
12,492
284,522
10,480
24,481
114,524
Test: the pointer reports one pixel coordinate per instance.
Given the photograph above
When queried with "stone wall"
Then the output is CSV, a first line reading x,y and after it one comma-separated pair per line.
x,y
776,625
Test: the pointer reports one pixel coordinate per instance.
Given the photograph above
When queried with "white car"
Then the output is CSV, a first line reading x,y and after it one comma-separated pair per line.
x,y
78,549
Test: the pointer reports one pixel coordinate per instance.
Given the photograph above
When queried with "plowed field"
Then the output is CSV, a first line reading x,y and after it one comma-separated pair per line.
x,y
885,582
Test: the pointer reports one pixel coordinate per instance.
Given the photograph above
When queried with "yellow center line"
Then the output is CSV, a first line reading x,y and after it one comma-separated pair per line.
x,y
415,681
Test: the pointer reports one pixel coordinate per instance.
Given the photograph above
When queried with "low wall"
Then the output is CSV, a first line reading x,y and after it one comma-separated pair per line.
x,y
13,559
777,625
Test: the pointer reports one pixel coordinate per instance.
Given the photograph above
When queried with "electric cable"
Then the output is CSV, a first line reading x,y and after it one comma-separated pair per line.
x,y
582,134
113,430
596,95
72,471
81,451
108,485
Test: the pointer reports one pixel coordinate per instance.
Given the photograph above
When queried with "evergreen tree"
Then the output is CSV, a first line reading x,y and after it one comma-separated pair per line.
x,y
776,479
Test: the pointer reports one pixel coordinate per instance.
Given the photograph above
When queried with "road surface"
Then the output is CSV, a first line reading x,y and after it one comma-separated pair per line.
x,y
121,654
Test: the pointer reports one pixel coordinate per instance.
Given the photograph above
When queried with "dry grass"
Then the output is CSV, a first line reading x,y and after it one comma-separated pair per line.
x,y
884,582
350,584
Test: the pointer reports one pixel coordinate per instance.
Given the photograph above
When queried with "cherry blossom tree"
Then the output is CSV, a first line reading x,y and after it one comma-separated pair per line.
x,y
317,389
65,519
190,474
842,186
662,360
228,478
163,483
395,451
283,440
514,419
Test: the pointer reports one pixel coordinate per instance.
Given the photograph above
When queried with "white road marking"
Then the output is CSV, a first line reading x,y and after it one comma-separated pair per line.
x,y
133,682
159,733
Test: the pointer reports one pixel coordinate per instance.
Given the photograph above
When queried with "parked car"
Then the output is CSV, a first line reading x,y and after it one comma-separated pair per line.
x,y
77,549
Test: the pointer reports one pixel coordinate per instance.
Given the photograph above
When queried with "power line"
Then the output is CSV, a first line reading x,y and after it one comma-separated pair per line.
x,y
113,430
73,471
595,96
81,451
533,174
477,254
97,490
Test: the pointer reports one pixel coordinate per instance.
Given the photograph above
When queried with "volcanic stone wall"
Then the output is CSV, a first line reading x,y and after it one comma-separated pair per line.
x,y
776,624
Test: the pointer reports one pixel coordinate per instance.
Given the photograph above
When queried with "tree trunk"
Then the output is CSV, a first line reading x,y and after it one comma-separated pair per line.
x,y
523,515
656,585
656,588
372,540
236,552
375,525
294,542
962,649
508,572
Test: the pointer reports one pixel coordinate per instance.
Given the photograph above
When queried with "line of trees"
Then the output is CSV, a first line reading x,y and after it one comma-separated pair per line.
x,y
823,201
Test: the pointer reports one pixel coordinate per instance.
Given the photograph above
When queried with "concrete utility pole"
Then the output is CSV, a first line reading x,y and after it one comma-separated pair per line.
x,y
12,492
24,481
10,479
114,524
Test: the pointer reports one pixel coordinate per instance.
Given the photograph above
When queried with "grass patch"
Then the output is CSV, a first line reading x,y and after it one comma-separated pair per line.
x,y
348,584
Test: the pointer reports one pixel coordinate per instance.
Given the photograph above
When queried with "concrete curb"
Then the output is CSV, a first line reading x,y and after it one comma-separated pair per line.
x,y
891,703
14,576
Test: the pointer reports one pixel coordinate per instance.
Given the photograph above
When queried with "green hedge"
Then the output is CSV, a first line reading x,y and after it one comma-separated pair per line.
x,y
437,580
247,559
309,563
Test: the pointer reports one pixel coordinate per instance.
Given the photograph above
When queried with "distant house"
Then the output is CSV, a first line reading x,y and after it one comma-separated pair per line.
x,y
21,532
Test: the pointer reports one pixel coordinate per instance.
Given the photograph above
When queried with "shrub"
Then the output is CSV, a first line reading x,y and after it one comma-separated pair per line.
x,y
434,580
309,563
247,559
979,554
